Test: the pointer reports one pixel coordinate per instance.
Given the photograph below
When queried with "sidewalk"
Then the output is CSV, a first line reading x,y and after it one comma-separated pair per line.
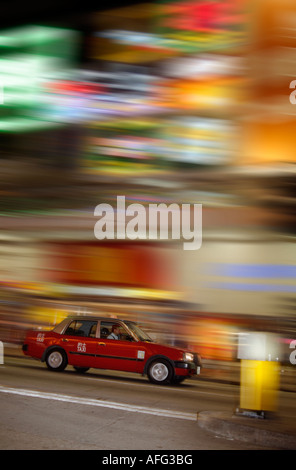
x,y
276,431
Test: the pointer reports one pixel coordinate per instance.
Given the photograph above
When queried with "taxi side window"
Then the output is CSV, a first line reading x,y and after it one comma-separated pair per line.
x,y
106,329
83,328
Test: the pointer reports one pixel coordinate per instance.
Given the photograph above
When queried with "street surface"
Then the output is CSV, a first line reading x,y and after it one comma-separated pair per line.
x,y
103,410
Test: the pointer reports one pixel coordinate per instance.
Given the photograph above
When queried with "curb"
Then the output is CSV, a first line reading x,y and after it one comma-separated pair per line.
x,y
245,429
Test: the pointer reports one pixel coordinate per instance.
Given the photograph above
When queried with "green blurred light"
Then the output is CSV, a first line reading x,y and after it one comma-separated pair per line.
x,y
29,57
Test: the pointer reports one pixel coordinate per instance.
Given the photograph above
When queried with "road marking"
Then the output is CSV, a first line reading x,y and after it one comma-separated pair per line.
x,y
101,403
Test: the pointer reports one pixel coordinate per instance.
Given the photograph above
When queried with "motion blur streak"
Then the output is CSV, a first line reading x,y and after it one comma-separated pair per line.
x,y
162,102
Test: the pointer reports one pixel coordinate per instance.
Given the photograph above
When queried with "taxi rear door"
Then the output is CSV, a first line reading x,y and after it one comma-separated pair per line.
x,y
80,343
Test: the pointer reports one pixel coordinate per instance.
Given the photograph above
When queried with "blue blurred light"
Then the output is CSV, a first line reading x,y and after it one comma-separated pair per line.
x,y
267,271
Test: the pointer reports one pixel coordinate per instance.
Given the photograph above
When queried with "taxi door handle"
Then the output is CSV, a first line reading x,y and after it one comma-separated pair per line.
x,y
102,344
65,340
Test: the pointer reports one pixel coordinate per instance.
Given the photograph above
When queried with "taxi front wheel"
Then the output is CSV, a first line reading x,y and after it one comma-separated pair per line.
x,y
160,372
56,360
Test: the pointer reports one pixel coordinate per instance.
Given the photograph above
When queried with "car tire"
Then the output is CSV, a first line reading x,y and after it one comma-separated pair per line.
x,y
81,370
160,372
56,360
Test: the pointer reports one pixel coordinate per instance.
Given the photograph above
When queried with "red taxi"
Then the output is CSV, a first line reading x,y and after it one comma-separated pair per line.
x,y
88,341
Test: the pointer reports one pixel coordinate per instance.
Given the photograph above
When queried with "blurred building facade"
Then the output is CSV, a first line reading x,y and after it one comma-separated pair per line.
x,y
177,102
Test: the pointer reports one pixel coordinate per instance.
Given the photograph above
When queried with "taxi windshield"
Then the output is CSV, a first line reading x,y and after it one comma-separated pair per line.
x,y
140,334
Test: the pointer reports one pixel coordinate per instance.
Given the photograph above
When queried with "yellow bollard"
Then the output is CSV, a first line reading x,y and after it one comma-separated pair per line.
x,y
259,374
259,385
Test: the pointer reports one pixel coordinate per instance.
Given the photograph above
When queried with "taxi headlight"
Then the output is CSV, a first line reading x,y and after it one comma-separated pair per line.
x,y
188,357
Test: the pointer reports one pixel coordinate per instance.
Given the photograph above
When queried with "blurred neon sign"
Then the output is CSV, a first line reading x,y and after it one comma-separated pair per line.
x,y
188,26
182,41
201,16
71,87
202,25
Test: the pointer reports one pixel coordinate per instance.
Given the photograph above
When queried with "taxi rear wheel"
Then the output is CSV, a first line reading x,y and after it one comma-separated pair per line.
x,y
160,372
56,360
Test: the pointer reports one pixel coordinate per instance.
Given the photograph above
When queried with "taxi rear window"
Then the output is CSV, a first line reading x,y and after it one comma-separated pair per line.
x,y
86,328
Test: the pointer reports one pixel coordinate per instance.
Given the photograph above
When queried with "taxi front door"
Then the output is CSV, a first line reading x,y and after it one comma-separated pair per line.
x,y
124,353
